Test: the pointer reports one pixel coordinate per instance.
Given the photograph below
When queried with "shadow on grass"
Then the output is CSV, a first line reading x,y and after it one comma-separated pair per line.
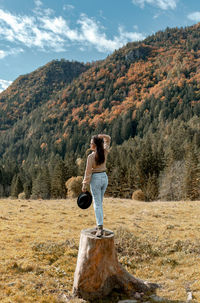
x,y
116,297
147,300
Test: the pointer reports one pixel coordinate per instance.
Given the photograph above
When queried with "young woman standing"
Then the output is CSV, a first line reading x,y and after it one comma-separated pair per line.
x,y
95,175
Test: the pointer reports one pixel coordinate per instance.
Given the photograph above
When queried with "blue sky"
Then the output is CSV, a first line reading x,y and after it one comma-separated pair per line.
x,y
34,32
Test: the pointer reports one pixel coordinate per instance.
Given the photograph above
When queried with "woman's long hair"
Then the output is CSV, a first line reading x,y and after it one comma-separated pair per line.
x,y
100,156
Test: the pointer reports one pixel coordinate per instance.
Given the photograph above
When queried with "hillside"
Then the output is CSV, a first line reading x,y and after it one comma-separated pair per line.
x,y
145,95
164,67
31,91
132,75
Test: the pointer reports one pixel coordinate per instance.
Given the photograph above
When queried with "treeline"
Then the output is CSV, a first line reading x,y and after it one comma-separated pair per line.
x,y
164,164
38,180
173,36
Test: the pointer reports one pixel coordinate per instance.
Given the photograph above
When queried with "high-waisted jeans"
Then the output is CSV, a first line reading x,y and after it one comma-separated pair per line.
x,y
98,185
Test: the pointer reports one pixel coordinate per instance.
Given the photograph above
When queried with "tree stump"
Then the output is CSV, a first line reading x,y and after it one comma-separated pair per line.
x,y
98,271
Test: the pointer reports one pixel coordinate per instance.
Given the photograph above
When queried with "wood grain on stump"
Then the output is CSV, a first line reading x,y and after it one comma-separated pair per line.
x,y
98,271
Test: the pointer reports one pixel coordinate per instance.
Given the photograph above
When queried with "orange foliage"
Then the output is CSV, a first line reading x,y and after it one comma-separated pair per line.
x,y
115,102
66,123
102,73
84,121
43,146
58,141
119,82
101,102
93,107
65,135
134,114
99,118
76,110
63,105
51,104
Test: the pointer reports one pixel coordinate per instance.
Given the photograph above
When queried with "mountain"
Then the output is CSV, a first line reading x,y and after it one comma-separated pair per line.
x,y
31,91
56,108
146,95
132,75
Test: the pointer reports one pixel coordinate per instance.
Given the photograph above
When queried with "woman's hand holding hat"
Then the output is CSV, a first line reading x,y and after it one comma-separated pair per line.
x,y
84,189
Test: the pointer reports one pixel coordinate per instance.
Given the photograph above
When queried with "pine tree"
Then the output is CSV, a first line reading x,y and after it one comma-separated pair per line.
x,y
116,130
16,186
148,167
41,185
192,178
126,130
58,180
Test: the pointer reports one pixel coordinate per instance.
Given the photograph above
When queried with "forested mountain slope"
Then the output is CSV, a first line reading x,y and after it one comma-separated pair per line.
x,y
30,91
145,95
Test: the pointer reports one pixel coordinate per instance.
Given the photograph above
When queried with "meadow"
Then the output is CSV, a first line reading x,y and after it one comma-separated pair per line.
x,y
156,241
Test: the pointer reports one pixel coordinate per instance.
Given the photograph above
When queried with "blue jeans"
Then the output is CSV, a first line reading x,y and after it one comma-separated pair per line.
x,y
98,185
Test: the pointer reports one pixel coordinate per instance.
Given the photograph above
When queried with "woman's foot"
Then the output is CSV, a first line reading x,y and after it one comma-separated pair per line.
x,y
99,232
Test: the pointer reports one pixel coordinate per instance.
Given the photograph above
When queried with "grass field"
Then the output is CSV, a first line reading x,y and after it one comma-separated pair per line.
x,y
158,242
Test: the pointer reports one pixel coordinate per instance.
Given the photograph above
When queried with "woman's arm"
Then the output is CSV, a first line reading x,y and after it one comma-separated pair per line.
x,y
106,140
88,173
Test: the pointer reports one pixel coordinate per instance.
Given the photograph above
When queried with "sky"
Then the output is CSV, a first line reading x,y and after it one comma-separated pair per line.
x,y
35,32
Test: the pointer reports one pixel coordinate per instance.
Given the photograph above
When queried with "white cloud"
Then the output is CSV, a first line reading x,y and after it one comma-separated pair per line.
x,y
91,33
4,84
163,4
46,32
60,28
39,11
68,7
56,25
38,3
4,53
194,16
28,32
129,36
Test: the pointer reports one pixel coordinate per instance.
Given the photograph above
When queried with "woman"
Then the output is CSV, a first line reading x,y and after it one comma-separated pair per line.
x,y
95,175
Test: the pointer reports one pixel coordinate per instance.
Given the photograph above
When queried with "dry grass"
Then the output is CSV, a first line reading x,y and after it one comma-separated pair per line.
x,y
157,241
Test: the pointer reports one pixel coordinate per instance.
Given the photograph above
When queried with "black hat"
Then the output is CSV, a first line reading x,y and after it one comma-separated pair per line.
x,y
84,200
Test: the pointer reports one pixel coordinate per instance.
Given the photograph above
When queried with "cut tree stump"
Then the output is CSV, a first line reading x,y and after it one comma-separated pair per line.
x,y
98,271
